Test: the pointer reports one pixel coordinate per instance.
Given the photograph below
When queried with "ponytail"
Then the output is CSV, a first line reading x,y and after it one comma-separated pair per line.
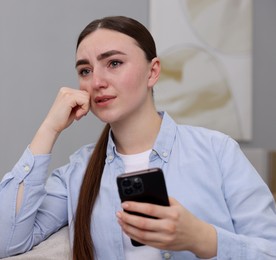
x,y
83,247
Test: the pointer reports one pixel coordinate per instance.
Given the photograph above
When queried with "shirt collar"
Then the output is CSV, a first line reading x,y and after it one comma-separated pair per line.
x,y
166,136
163,143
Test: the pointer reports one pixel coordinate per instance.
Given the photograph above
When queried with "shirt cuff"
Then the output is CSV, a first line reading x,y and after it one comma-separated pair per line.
x,y
32,168
230,245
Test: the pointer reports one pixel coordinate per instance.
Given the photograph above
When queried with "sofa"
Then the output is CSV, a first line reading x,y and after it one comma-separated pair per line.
x,y
56,247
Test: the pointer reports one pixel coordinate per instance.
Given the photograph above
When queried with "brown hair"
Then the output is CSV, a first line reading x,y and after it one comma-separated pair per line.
x,y
83,243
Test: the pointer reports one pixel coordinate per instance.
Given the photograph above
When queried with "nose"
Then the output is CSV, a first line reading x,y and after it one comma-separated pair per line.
x,y
98,79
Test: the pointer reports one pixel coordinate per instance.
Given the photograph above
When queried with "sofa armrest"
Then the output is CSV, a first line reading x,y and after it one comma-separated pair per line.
x,y
57,246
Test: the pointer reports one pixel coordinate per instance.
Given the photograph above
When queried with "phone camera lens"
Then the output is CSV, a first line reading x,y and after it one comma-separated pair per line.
x,y
137,183
128,191
126,182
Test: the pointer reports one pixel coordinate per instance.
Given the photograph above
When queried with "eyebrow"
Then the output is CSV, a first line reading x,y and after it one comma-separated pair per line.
x,y
81,62
100,57
108,54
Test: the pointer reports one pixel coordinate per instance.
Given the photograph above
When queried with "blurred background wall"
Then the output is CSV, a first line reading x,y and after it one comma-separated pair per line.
x,y
37,57
37,48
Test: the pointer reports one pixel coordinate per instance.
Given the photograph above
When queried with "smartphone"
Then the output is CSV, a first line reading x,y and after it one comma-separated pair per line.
x,y
143,186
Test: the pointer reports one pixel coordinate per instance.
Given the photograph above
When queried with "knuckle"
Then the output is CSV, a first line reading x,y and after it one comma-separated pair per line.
x,y
142,236
149,210
66,92
63,90
142,223
171,228
174,215
168,239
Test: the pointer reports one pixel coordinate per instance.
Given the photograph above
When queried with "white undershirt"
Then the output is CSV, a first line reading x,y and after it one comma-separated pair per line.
x,y
136,162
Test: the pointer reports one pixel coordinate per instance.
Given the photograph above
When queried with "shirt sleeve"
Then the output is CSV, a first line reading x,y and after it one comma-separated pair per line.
x,y
33,223
252,209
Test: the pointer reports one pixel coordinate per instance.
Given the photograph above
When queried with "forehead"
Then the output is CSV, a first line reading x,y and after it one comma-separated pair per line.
x,y
103,40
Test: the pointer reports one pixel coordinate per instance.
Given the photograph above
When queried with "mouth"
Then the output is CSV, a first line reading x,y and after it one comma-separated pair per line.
x,y
103,99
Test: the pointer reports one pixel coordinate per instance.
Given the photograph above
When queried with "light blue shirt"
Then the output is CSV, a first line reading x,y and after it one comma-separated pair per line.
x,y
204,170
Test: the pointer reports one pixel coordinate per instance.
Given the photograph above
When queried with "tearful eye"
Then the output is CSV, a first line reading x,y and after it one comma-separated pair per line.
x,y
84,72
115,63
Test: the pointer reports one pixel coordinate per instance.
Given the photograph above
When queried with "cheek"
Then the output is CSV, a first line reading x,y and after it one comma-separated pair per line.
x,y
138,85
136,89
135,81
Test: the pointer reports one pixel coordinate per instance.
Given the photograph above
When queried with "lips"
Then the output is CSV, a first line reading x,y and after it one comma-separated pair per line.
x,y
103,99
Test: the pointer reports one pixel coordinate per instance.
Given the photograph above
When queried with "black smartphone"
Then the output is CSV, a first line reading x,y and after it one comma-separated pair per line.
x,y
143,186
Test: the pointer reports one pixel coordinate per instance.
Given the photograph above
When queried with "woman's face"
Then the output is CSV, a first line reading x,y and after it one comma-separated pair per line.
x,y
114,71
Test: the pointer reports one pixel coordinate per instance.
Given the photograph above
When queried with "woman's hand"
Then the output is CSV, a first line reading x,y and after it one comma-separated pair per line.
x,y
70,104
174,229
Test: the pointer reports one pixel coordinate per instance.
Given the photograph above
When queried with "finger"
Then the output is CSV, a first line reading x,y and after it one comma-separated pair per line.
x,y
141,222
70,104
149,209
83,105
78,112
154,238
173,201
78,102
131,230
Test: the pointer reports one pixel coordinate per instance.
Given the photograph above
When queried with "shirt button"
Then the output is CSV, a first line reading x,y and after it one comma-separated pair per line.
x,y
167,255
26,168
110,158
165,154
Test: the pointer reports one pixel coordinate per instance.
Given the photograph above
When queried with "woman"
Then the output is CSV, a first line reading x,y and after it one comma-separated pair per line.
x,y
219,206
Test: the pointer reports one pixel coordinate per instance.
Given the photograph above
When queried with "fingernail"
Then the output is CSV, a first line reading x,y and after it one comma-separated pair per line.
x,y
124,205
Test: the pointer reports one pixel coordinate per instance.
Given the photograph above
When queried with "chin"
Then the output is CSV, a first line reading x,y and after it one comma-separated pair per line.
x,y
106,117
110,116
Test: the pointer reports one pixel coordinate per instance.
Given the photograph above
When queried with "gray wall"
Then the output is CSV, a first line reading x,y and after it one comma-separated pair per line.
x,y
37,57
37,45
264,75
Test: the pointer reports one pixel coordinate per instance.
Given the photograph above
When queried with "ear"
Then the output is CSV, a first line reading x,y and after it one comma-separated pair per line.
x,y
155,69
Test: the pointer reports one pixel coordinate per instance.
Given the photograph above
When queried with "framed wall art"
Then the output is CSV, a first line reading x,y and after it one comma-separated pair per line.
x,y
205,51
